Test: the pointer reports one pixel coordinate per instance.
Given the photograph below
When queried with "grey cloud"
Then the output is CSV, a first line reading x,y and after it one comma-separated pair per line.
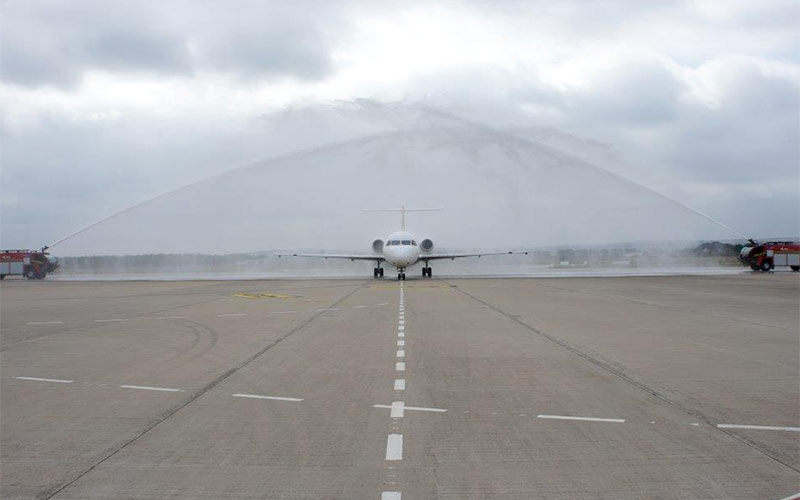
x,y
50,43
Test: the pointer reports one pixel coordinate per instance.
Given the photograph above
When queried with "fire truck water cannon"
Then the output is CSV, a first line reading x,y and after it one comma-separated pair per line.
x,y
27,263
766,256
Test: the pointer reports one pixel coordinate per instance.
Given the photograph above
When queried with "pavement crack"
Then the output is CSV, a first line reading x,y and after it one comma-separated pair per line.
x,y
197,394
619,373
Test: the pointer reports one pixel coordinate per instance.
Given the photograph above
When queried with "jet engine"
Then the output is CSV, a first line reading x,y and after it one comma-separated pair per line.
x,y
426,245
377,246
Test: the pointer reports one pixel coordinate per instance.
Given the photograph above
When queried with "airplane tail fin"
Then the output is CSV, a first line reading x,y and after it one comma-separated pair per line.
x,y
403,211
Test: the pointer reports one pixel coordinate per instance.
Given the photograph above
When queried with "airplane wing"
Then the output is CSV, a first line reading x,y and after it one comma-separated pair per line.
x,y
374,258
453,256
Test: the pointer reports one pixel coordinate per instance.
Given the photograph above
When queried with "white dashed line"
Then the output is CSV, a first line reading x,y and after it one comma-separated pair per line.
x,y
384,304
397,409
109,320
583,419
401,343
391,495
400,384
45,323
171,317
401,322
148,388
401,353
401,334
413,408
758,427
394,447
328,309
359,307
283,312
400,366
401,327
231,315
256,396
37,379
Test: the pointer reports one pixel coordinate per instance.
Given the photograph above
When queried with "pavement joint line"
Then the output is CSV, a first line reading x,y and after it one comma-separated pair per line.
x,y
400,384
413,408
171,317
328,309
37,379
257,396
45,323
150,388
619,373
758,427
583,419
194,396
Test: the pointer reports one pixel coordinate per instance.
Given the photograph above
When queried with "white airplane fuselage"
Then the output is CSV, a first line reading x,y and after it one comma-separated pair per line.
x,y
401,249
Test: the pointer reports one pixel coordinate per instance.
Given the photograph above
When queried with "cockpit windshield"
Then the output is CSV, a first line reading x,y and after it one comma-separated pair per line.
x,y
406,242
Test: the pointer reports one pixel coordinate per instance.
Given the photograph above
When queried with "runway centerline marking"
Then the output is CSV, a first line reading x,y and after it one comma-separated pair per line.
x,y
257,396
401,334
401,353
414,408
283,312
397,409
171,317
583,419
758,427
401,343
149,388
400,384
37,379
359,307
391,495
400,366
45,323
394,447
401,327
110,320
231,315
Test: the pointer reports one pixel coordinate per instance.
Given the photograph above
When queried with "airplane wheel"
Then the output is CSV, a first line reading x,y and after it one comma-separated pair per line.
x,y
380,272
375,273
399,276
430,272
796,269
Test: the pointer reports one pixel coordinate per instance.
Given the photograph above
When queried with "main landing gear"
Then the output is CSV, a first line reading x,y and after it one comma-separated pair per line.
x,y
377,272
427,271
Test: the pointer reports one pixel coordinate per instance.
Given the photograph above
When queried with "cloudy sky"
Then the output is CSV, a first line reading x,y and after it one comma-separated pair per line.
x,y
106,103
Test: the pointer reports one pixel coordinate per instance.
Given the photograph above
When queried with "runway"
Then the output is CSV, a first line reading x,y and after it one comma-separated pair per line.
x,y
562,388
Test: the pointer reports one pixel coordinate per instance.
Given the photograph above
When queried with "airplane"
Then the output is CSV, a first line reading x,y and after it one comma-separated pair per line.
x,y
400,249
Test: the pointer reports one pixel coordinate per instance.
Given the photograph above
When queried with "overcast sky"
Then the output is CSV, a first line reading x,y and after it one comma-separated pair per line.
x,y
106,103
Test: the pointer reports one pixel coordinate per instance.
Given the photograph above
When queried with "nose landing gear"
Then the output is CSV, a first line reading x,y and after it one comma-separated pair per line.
x,y
401,273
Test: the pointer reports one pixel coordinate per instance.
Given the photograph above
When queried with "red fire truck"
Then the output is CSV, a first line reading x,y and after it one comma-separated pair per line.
x,y
771,254
28,263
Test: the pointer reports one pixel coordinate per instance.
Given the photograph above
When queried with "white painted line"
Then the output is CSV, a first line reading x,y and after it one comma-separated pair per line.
x,y
256,396
231,315
401,327
171,317
400,366
108,320
401,322
401,353
391,495
384,304
394,447
397,409
45,323
400,384
37,379
359,307
328,309
413,408
758,427
148,388
583,419
283,312
401,334
796,496
401,343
